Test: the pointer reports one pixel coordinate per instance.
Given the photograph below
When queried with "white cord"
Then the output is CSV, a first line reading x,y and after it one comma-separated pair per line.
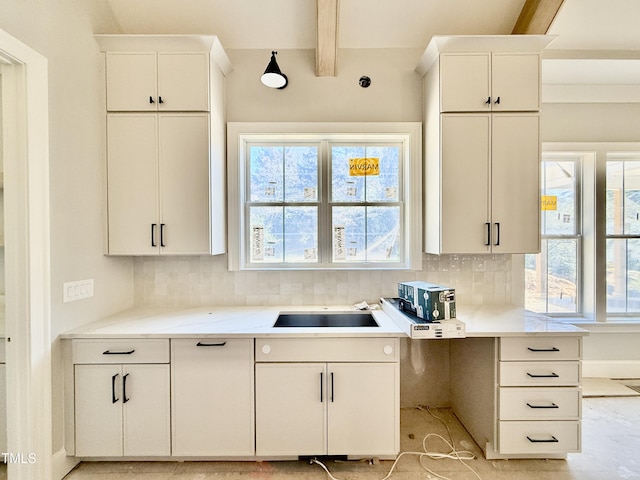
x,y
454,454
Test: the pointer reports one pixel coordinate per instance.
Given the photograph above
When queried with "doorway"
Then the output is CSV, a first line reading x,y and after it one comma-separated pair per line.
x,y
25,155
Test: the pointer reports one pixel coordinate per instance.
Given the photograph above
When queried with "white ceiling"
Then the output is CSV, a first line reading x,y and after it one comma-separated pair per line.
x,y
283,24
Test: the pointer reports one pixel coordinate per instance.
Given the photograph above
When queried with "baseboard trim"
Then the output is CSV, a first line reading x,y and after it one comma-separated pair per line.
x,y
611,368
62,464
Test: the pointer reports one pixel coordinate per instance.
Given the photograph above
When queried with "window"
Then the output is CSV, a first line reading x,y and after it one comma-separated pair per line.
x,y
589,265
552,277
623,233
310,200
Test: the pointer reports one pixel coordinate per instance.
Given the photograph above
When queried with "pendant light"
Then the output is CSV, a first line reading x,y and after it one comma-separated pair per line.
x,y
272,76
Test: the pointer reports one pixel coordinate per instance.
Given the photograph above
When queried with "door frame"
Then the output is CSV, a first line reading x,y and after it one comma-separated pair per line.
x,y
28,293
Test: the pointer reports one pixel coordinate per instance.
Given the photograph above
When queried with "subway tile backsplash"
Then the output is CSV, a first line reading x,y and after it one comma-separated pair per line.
x,y
205,280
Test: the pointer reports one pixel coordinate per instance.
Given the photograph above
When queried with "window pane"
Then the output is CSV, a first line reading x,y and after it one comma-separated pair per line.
x,y
344,186
368,234
551,277
559,190
301,234
623,275
383,187
365,173
383,232
623,197
265,231
301,174
348,226
266,173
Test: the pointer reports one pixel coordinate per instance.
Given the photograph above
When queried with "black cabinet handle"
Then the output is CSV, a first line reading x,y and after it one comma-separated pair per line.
x,y
321,387
153,234
488,242
552,349
497,233
548,440
332,391
162,101
162,244
218,344
109,352
498,101
546,375
488,102
151,99
113,388
124,389
553,405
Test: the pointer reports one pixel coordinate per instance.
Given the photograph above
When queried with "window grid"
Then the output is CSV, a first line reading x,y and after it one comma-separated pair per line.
x,y
325,237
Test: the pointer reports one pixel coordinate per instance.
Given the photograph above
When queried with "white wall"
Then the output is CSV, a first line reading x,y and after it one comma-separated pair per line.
x,y
62,31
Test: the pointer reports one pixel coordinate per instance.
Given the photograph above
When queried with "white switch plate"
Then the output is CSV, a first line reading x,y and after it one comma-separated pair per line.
x,y
72,291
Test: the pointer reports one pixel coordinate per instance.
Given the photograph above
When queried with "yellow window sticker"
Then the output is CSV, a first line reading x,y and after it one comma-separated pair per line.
x,y
360,167
549,202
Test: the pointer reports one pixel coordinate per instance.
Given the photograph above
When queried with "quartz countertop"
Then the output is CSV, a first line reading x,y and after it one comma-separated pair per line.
x,y
225,321
508,320
256,322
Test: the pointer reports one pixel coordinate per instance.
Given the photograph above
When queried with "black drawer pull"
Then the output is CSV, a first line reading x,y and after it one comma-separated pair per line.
x,y
547,440
544,375
218,344
553,405
109,352
552,349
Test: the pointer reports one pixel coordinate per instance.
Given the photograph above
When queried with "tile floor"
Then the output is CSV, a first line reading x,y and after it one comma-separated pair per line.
x,y
611,451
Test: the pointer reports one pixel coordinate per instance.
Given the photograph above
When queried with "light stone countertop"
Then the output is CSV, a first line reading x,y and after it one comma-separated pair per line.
x,y
257,322
226,321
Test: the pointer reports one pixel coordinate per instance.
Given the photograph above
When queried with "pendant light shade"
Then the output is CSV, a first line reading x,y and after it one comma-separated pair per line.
x,y
272,76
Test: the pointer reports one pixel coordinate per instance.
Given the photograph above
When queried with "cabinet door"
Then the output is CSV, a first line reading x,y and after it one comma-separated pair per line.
x,y
146,411
131,82
515,80
184,183
464,183
515,186
291,403
364,409
132,184
212,397
465,82
183,82
98,395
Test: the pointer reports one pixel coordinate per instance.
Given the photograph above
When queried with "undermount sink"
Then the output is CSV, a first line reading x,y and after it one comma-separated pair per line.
x,y
340,319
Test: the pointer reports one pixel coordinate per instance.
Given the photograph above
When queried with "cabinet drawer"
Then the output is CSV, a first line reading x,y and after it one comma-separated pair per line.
x,y
120,351
530,403
516,374
540,348
328,350
539,437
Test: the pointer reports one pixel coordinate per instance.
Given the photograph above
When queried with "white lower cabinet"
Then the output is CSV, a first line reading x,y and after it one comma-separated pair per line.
x,y
212,397
308,407
539,396
121,409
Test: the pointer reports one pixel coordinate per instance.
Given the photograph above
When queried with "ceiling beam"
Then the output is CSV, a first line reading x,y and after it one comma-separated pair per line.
x,y
327,37
537,16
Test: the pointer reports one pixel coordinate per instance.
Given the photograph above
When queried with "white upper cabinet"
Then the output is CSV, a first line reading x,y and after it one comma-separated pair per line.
x,y
153,81
480,82
482,144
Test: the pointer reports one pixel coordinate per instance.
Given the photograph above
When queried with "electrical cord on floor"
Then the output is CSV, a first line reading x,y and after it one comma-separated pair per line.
x,y
454,454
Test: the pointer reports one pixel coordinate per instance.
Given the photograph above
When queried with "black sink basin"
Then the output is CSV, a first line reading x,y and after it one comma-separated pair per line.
x,y
325,320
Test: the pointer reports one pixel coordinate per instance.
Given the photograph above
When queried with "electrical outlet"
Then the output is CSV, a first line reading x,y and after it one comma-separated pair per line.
x,y
72,291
